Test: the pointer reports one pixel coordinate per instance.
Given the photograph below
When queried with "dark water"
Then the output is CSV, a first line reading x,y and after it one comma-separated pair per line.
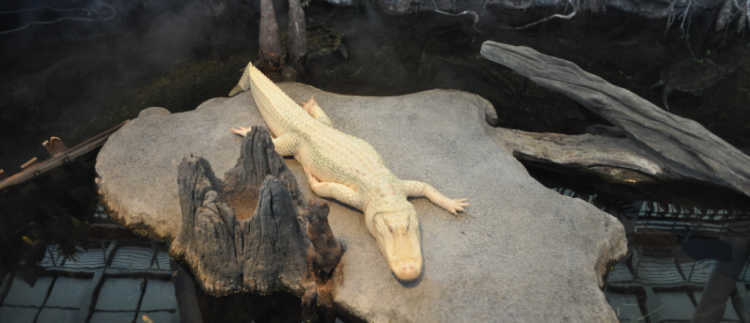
x,y
74,79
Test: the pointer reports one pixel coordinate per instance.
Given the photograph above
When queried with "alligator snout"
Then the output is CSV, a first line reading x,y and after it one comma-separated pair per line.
x,y
397,234
407,269
401,248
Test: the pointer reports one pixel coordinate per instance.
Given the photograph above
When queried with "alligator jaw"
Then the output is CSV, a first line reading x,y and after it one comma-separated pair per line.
x,y
397,236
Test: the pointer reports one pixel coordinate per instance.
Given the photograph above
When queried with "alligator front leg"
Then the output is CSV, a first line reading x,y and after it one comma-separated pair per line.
x,y
417,189
284,145
336,191
314,110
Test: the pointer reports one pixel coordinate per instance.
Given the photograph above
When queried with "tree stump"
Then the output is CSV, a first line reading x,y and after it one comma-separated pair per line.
x,y
297,32
252,232
270,55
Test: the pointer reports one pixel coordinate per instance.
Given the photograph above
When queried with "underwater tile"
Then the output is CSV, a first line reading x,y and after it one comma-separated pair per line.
x,y
675,306
22,293
111,317
68,292
162,261
655,271
132,258
55,315
17,314
160,295
87,260
625,306
52,257
700,271
620,273
119,294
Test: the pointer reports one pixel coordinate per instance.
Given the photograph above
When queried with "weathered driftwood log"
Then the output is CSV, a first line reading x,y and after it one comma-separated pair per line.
x,y
655,142
617,159
252,232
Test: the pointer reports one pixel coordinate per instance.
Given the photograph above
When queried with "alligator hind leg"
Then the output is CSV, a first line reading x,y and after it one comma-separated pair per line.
x,y
336,191
284,145
314,110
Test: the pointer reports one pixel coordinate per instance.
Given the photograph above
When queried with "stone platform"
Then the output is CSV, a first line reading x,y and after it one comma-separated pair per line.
x,y
522,252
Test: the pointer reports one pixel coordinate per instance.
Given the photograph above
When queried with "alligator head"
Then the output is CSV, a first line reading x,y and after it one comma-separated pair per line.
x,y
396,230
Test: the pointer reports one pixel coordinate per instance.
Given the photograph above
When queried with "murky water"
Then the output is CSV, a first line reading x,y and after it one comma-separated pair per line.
x,y
74,79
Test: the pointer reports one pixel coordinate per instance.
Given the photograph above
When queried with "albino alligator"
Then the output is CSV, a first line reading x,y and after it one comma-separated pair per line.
x,y
347,169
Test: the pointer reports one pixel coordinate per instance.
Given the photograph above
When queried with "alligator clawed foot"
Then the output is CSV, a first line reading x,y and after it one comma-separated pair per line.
x,y
456,205
242,131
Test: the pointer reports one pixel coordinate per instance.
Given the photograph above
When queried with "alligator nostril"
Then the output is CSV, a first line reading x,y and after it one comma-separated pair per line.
x,y
407,270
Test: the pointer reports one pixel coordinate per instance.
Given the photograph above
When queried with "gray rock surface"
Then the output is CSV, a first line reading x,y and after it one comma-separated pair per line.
x,y
522,253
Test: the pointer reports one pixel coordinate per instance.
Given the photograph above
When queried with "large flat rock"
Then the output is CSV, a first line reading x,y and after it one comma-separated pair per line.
x,y
522,253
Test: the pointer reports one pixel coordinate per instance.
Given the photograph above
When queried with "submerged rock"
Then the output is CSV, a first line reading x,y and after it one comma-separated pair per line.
x,y
521,253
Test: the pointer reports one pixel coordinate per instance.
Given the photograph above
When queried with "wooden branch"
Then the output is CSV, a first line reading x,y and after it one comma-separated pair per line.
x,y
682,148
54,146
616,159
29,162
59,158
244,233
